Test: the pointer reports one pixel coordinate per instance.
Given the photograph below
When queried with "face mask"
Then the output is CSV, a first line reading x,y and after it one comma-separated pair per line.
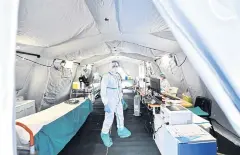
x,y
114,69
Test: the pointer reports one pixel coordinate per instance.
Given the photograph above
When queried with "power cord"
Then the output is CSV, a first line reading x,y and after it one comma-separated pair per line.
x,y
63,61
182,62
32,61
156,131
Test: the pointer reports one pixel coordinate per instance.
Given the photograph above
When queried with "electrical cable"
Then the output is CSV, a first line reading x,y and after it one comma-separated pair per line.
x,y
33,61
174,60
158,129
182,62
42,64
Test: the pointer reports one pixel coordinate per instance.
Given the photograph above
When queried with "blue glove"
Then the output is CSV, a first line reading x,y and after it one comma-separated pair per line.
x,y
123,102
125,105
107,109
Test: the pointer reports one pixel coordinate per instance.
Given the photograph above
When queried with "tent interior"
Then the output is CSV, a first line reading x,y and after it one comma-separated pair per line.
x,y
60,41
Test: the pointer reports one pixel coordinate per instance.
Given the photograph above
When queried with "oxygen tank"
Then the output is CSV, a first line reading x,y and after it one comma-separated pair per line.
x,y
137,100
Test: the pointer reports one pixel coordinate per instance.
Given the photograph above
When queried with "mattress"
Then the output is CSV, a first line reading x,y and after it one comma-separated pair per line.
x,y
53,128
36,121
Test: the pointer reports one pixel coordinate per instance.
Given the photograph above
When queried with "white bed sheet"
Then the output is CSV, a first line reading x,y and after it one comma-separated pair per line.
x,y
36,121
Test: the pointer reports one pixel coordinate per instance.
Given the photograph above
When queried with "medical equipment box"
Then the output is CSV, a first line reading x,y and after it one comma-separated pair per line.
x,y
25,108
175,115
188,139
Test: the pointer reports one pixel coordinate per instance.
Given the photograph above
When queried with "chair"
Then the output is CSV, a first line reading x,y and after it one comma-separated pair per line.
x,y
205,104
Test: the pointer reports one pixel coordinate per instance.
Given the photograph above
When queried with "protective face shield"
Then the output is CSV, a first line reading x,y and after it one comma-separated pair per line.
x,y
115,66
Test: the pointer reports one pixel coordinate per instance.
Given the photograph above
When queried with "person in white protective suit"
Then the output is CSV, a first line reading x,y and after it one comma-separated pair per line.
x,y
164,83
111,93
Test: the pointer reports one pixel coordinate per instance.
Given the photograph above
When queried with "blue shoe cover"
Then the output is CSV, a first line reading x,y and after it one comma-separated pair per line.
x,y
107,140
124,132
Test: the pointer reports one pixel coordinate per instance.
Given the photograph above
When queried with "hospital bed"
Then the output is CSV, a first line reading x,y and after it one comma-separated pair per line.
x,y
54,127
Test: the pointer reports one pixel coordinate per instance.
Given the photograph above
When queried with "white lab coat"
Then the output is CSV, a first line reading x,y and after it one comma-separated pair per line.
x,y
111,94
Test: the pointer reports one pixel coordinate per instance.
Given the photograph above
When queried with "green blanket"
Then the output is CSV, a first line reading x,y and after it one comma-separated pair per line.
x,y
198,111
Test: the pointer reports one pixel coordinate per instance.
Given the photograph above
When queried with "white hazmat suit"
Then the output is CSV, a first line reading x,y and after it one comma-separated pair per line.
x,y
111,94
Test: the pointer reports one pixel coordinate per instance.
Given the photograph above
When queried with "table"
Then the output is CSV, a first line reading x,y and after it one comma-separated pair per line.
x,y
182,102
195,118
166,96
160,129
154,106
169,145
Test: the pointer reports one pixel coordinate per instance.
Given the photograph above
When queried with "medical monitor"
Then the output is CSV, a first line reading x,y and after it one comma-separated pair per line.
x,y
155,85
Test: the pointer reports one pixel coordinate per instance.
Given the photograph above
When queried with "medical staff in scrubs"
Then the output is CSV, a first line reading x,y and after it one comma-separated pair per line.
x,y
111,93
164,83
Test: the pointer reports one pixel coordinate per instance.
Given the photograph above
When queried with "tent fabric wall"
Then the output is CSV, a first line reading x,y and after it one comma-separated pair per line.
x,y
203,49
220,117
22,71
34,84
183,77
8,16
38,82
58,87
186,77
128,67
192,80
46,85
90,31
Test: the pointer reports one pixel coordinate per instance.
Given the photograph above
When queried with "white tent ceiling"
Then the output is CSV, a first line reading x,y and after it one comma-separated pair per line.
x,y
81,29
116,58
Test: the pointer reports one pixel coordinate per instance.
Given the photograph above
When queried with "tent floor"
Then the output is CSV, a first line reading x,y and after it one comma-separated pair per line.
x,y
88,142
226,147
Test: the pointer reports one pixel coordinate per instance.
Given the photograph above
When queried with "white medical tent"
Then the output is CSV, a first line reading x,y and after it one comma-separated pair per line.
x,y
203,36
